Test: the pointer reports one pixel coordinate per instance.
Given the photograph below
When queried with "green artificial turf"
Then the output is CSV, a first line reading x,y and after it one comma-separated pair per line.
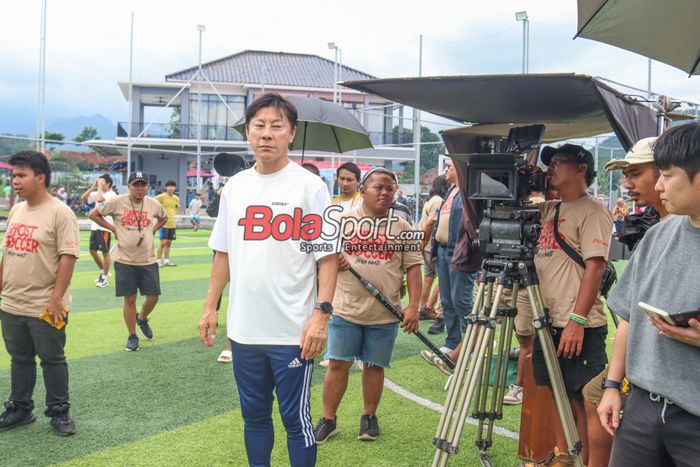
x,y
171,403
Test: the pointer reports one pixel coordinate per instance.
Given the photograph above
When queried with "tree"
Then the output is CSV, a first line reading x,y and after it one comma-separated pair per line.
x,y
54,139
428,152
88,133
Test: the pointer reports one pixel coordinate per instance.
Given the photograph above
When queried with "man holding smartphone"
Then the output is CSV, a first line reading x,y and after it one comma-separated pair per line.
x,y
135,263
662,413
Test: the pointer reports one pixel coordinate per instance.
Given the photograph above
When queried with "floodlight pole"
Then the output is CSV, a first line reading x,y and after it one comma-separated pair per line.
x,y
332,46
201,29
416,140
131,87
41,121
522,16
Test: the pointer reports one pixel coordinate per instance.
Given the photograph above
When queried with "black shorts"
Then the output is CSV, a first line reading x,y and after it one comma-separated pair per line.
x,y
576,371
100,240
167,234
130,278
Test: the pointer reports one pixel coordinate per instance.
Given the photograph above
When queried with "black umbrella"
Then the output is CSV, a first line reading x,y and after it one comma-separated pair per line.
x,y
666,31
323,126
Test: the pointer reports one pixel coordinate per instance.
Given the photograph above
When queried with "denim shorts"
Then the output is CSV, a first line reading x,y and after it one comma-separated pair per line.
x,y
371,343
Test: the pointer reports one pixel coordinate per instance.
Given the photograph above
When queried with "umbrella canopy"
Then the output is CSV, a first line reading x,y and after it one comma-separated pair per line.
x,y
666,31
323,126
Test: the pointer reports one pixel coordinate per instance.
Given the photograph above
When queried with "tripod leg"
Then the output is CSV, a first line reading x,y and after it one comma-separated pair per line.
x,y
500,379
555,377
483,335
483,294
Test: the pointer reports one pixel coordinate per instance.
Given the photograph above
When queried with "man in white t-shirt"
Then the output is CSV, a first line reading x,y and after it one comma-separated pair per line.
x,y
196,211
277,316
100,238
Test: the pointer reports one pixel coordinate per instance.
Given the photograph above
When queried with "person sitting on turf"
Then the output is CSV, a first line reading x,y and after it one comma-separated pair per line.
x,y
361,327
662,415
641,176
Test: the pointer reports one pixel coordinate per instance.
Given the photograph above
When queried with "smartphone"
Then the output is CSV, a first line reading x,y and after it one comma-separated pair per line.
x,y
680,318
47,317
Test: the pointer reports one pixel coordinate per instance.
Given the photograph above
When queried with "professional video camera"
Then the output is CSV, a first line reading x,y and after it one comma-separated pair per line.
x,y
504,180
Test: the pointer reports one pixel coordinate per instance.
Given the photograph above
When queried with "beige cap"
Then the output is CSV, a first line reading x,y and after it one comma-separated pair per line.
x,y
641,153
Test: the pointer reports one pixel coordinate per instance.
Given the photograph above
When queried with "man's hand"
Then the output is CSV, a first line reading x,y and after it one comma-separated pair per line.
x,y
315,335
571,341
55,309
343,263
410,319
609,410
689,335
207,326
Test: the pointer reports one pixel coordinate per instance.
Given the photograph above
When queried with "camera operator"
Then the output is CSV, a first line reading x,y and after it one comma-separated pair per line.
x,y
641,175
579,323
135,263
662,415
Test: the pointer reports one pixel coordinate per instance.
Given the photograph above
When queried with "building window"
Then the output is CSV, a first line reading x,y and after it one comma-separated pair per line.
x,y
217,120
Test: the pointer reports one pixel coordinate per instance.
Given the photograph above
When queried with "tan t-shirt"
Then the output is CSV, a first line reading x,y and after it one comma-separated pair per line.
x,y
585,225
443,227
127,217
429,214
35,239
383,265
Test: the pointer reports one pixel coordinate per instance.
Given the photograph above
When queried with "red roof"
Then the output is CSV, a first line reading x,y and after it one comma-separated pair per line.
x,y
193,173
6,166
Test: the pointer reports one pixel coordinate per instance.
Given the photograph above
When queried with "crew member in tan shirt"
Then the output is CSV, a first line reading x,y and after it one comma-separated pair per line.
x,y
135,262
40,247
361,328
570,292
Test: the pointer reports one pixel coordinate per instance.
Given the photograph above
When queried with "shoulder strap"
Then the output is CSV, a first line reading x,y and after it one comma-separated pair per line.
x,y
562,244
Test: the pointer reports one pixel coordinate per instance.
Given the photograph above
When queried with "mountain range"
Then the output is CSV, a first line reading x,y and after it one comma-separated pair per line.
x,y
23,122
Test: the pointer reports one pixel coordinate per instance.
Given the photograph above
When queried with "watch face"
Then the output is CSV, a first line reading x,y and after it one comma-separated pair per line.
x,y
325,307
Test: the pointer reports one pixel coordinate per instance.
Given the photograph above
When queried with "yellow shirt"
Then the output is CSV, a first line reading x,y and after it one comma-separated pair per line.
x,y
348,203
171,203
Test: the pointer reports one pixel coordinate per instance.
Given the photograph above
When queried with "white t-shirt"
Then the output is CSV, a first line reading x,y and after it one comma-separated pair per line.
x,y
273,282
195,206
92,199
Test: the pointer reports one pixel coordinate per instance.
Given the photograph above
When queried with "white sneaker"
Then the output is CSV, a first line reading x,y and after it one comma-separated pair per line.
x,y
101,282
514,396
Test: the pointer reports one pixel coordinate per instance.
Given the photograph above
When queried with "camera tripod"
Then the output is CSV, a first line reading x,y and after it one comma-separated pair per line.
x,y
470,382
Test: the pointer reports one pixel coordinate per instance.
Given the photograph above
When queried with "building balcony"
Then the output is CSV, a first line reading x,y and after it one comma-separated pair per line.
x,y
178,131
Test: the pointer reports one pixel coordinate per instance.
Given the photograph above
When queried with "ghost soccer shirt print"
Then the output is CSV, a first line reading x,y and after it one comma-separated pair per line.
x,y
381,258
35,239
133,220
585,225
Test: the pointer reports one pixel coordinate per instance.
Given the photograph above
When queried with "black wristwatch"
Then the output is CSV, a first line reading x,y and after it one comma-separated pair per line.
x,y
609,383
325,307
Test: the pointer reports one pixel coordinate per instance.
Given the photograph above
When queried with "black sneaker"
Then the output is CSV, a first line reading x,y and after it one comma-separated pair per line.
x,y
369,428
437,327
132,343
15,416
145,328
324,430
61,422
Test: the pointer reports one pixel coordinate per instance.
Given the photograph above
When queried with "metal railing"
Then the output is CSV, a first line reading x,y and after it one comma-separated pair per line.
x,y
178,131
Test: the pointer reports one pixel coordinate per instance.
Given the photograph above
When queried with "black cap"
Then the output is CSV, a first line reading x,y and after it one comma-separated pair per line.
x,y
581,154
138,176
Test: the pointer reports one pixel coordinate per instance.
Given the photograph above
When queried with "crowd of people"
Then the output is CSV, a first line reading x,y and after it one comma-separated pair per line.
x,y
301,292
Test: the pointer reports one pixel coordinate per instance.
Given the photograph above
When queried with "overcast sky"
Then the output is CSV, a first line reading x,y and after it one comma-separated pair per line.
x,y
88,43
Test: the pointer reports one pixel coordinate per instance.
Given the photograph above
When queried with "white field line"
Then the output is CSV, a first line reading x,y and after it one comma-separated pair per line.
x,y
438,408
